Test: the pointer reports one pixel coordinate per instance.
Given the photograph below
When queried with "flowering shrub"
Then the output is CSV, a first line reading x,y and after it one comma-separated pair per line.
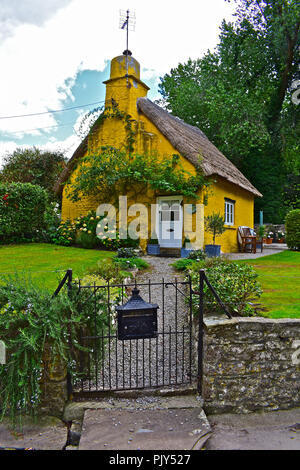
x,y
197,255
126,253
64,234
82,232
236,284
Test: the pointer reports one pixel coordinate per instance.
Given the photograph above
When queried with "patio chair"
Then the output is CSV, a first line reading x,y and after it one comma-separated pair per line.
x,y
246,239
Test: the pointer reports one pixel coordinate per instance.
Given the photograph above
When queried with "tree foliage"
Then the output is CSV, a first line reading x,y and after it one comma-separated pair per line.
x,y
240,95
33,166
214,224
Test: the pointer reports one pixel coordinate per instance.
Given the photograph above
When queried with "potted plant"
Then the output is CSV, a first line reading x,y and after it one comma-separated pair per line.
x,y
185,251
261,232
153,246
270,238
215,224
281,236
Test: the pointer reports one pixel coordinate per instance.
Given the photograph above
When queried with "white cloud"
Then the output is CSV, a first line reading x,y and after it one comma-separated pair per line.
x,y
13,12
51,41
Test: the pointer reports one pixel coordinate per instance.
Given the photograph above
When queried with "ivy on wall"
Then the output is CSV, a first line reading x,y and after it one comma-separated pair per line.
x,y
106,171
109,112
112,172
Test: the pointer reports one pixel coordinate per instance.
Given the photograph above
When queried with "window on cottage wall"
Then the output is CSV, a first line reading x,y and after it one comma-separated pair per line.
x,y
229,211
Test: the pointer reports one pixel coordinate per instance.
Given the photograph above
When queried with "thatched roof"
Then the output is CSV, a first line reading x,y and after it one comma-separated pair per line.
x,y
190,142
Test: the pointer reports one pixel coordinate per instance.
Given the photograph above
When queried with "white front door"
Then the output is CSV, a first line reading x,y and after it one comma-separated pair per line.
x,y
169,221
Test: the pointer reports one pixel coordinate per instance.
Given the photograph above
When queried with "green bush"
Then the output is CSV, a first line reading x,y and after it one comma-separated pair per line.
x,y
197,255
82,232
22,208
30,319
183,264
292,226
236,284
86,240
131,263
126,253
109,271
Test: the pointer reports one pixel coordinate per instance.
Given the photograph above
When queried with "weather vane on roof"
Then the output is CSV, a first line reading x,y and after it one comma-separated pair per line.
x,y
127,21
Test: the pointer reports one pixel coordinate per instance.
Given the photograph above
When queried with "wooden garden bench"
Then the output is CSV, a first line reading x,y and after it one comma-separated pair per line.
x,y
246,239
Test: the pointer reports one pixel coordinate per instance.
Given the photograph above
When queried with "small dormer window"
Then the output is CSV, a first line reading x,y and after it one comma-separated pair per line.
x,y
229,211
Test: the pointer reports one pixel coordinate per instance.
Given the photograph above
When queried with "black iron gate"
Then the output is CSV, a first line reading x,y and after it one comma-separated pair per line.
x,y
172,357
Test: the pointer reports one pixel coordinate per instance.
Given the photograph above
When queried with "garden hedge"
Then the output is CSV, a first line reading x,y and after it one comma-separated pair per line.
x,y
292,226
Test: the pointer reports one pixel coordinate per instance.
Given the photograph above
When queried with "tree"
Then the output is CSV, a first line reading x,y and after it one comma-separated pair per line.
x,y
240,96
214,223
33,166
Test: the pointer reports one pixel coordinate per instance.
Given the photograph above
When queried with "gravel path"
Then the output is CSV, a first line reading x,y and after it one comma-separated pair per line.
x,y
157,362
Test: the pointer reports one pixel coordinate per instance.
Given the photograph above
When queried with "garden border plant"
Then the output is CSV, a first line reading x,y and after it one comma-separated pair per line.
x,y
31,320
236,284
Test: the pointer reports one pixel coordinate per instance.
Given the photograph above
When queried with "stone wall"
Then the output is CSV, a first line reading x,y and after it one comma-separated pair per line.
x,y
53,384
251,364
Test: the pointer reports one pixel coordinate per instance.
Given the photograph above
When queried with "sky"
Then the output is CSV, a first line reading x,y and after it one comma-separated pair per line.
x,y
55,54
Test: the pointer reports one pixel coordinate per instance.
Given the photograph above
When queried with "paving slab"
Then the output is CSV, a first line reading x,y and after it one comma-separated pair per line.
x,y
267,251
276,430
75,410
149,429
46,433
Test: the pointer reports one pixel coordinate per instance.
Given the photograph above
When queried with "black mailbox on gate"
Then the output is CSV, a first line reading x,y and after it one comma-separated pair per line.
x,y
137,319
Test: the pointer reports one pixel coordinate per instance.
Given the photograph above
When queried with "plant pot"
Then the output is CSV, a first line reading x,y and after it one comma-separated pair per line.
x,y
153,250
269,241
264,240
281,240
185,252
212,250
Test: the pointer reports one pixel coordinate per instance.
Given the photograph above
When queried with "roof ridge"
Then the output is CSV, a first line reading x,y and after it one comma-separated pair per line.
x,y
191,142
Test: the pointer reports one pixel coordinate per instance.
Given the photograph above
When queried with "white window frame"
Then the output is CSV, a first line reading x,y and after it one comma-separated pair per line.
x,y
229,211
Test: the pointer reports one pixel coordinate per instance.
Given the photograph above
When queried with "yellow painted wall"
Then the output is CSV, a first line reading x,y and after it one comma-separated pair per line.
x,y
243,212
124,91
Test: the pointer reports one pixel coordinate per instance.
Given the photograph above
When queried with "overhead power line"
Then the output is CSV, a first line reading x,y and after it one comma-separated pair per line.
x,y
52,111
40,128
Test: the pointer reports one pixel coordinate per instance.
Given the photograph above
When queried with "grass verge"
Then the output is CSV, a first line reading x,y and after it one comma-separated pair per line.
x,y
45,263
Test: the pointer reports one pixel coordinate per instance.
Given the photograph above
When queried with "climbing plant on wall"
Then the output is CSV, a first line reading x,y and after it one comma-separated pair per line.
x,y
92,121
112,172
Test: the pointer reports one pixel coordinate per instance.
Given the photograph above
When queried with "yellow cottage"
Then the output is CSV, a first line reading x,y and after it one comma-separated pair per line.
x,y
156,131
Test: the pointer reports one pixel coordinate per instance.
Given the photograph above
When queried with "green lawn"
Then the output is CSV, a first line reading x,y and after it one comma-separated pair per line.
x,y
44,261
279,276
